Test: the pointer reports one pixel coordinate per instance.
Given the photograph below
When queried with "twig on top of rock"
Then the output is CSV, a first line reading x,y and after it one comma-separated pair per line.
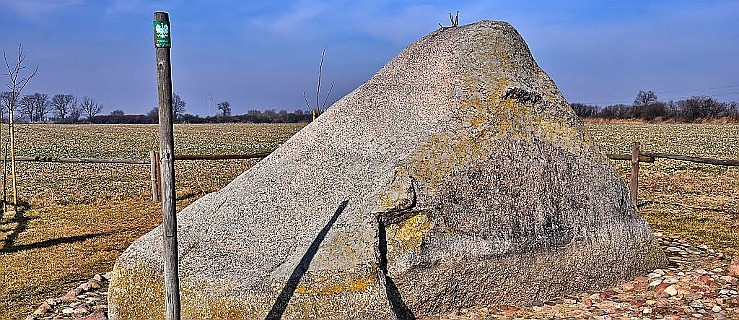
x,y
453,19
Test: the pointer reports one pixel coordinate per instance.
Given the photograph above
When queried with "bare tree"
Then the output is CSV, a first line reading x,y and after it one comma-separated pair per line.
x,y
17,81
318,108
701,107
645,98
178,106
26,108
153,114
89,107
34,106
40,105
225,108
4,104
75,112
62,105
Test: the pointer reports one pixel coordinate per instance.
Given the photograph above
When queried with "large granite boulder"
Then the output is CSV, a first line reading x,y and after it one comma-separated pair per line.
x,y
456,176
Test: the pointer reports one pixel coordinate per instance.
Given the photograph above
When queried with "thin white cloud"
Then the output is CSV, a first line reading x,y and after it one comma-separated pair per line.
x,y
130,6
296,20
35,9
396,23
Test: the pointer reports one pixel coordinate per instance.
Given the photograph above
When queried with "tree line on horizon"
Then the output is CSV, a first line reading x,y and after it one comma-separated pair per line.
x,y
648,107
68,109
37,107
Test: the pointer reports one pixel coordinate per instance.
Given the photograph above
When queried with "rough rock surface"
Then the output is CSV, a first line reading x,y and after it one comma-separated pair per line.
x,y
456,176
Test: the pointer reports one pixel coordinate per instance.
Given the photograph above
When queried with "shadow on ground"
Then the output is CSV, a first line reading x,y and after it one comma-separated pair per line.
x,y
21,220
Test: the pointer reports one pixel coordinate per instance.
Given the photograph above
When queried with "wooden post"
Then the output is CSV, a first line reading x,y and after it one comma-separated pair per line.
x,y
166,131
634,183
154,176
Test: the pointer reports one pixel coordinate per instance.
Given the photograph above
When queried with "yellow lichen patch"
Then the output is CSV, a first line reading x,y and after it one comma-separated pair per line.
x,y
136,293
409,234
489,115
352,282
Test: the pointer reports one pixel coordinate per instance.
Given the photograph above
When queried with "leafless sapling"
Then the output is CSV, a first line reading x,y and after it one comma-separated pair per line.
x,y
316,111
18,78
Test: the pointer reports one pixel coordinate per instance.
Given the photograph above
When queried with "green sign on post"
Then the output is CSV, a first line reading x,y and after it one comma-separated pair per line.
x,y
161,34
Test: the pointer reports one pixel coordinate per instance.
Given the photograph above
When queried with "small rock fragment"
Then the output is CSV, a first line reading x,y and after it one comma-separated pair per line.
x,y
85,286
81,310
696,304
44,308
670,280
671,290
733,267
71,295
52,302
94,284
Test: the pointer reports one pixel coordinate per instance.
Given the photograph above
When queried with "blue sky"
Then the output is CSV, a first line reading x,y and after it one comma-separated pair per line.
x,y
265,54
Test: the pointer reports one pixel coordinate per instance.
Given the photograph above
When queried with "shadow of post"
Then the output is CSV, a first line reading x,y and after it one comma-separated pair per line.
x,y
21,221
278,308
50,243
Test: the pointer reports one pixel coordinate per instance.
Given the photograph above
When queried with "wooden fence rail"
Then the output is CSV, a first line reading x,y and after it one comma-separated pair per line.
x,y
642,157
650,157
148,161
637,156
156,175
714,161
80,160
153,162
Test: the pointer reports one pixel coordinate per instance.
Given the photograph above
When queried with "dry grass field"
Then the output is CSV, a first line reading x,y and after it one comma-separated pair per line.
x,y
82,216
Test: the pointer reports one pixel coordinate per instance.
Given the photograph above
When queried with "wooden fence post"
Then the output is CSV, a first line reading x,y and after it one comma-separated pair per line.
x,y
154,173
634,183
162,43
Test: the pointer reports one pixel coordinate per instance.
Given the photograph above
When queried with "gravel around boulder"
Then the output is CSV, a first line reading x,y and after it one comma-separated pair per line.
x,y
694,285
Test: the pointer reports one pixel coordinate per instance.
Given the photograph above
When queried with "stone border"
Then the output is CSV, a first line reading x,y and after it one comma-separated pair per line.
x,y
88,301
